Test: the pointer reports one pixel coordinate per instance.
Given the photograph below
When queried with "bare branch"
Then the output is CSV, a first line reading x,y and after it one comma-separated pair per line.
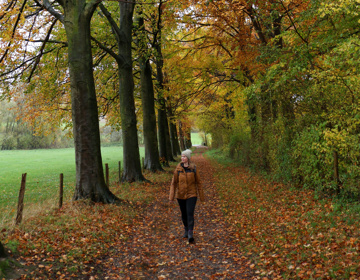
x,y
10,5
21,65
52,11
42,49
13,31
119,58
65,44
99,57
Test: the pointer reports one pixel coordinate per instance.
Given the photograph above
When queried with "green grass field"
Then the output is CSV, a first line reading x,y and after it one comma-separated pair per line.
x,y
196,138
43,168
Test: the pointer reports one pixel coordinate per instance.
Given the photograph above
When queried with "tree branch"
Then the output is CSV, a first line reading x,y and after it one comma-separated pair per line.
x,y
91,7
112,22
42,49
65,44
52,11
13,31
119,58
9,7
293,24
24,63
136,2
250,12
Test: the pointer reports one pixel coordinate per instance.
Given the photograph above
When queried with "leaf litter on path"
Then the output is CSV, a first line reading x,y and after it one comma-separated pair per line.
x,y
139,239
155,248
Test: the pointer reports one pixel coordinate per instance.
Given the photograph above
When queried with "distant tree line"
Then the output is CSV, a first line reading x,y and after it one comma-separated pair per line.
x,y
18,135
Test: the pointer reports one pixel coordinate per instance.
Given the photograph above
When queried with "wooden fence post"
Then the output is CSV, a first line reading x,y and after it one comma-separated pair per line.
x,y
107,175
61,190
20,207
119,172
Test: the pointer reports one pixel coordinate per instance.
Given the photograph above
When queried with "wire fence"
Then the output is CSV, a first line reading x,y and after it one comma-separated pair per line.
x,y
39,196
42,194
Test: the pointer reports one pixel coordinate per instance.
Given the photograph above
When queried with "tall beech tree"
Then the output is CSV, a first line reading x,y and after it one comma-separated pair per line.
x,y
132,166
152,158
168,140
75,17
123,34
163,125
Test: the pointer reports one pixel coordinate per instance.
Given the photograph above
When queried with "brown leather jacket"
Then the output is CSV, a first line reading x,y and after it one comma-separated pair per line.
x,y
186,184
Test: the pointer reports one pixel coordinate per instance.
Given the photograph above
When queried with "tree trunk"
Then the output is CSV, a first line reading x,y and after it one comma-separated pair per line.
x,y
188,143
168,141
2,251
163,129
252,112
162,132
177,145
152,159
131,156
266,120
175,148
174,139
162,119
181,136
205,140
90,183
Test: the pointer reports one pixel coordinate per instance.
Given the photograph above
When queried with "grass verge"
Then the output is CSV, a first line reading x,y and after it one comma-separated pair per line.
x,y
72,242
43,168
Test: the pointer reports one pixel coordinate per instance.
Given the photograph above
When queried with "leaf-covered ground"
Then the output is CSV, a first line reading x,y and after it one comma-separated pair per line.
x,y
156,250
289,233
248,228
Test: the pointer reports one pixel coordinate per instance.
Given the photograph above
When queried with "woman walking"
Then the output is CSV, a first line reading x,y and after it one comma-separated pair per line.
x,y
186,188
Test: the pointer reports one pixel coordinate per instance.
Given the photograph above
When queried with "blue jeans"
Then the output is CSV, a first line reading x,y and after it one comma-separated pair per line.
x,y
187,207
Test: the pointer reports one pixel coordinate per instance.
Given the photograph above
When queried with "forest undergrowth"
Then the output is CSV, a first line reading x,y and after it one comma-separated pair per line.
x,y
248,228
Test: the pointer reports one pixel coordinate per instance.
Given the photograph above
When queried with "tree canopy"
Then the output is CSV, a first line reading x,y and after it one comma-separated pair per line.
x,y
275,83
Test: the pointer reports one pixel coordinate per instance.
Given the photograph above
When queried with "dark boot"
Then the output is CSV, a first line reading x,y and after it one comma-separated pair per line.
x,y
185,233
190,236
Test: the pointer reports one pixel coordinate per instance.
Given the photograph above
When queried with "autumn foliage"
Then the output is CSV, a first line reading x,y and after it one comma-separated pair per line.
x,y
279,86
276,85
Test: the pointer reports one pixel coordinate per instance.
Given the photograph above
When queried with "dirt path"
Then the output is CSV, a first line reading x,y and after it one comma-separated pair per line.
x,y
155,249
